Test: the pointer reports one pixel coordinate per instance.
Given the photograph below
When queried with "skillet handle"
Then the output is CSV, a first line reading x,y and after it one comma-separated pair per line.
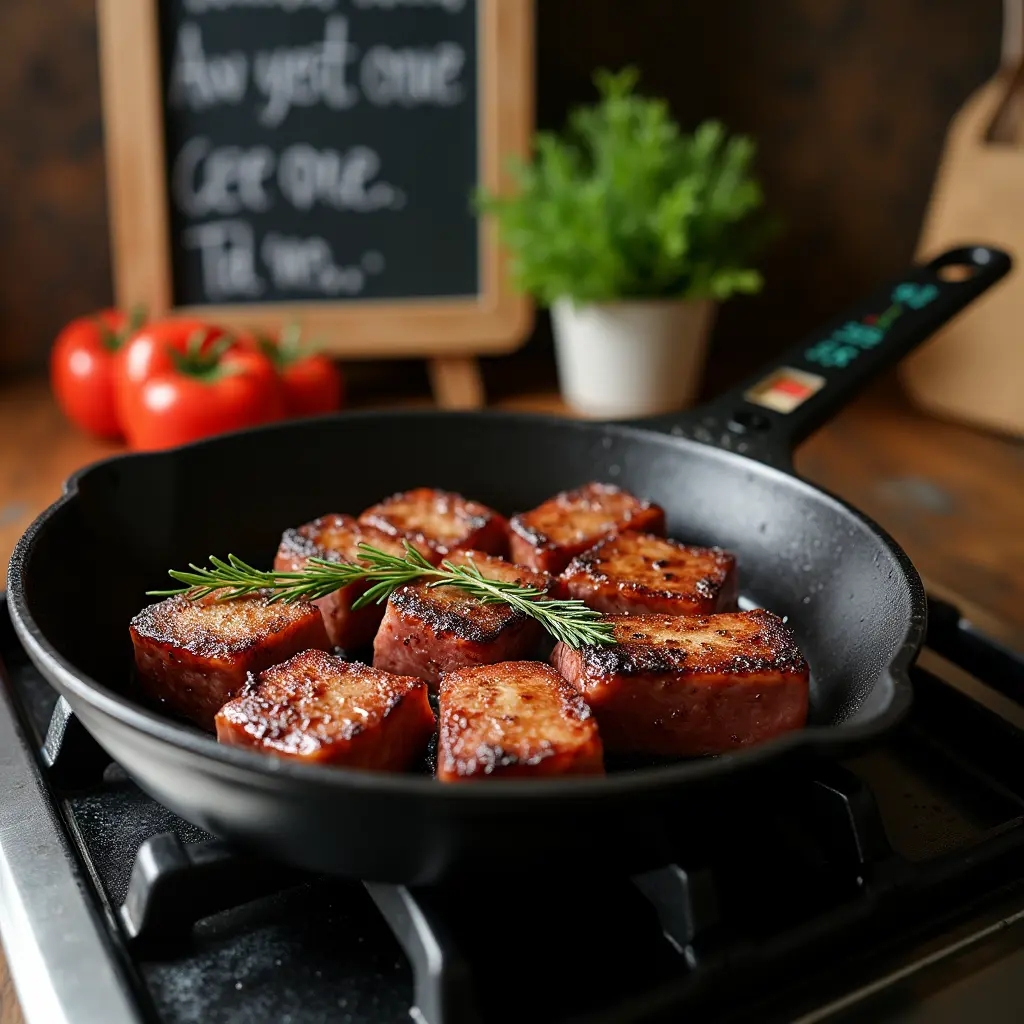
x,y
770,413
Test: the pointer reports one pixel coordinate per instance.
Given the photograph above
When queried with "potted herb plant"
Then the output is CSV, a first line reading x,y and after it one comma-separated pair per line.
x,y
632,231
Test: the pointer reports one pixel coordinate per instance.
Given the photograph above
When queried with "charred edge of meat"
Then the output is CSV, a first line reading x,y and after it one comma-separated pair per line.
x,y
709,586
589,565
474,515
635,656
568,502
416,600
573,703
530,534
488,757
152,624
276,718
300,545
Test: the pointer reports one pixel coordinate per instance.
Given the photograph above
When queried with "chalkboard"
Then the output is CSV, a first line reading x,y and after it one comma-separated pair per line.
x,y
320,149
314,161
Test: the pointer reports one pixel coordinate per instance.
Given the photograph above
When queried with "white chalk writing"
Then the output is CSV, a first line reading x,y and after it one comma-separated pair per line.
x,y
222,180
226,250
318,73
413,76
225,180
221,185
343,181
303,76
307,264
198,81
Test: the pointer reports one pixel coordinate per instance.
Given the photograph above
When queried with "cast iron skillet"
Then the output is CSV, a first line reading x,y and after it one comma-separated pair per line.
x,y
724,476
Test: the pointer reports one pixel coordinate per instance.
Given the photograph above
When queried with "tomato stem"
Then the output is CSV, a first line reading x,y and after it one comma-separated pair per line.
x,y
202,360
289,348
136,318
112,340
290,345
268,348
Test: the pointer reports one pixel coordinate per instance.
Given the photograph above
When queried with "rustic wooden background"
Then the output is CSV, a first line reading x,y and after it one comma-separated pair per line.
x,y
849,100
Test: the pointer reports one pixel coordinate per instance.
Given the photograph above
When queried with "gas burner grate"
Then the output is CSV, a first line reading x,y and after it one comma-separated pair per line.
x,y
846,864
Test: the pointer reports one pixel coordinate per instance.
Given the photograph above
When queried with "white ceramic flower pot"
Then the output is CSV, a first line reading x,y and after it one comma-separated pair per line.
x,y
624,359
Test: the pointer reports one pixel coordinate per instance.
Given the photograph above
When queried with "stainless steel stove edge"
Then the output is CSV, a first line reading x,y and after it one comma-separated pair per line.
x,y
53,939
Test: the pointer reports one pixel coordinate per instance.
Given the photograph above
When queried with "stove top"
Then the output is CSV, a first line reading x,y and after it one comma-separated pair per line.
x,y
887,888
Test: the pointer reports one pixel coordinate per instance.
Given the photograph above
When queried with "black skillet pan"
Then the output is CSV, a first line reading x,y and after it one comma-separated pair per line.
x,y
723,474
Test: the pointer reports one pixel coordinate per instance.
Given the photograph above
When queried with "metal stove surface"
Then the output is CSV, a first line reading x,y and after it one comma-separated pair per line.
x,y
887,888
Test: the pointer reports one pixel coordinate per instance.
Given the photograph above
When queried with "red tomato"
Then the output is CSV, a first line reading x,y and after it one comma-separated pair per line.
x,y
311,385
181,380
310,382
82,370
151,350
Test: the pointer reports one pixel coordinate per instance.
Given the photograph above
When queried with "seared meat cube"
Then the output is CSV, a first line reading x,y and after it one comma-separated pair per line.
x,y
633,573
442,520
194,655
685,686
429,630
566,525
519,718
336,538
322,709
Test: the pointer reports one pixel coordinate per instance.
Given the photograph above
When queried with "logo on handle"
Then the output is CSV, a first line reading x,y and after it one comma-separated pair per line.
x,y
848,340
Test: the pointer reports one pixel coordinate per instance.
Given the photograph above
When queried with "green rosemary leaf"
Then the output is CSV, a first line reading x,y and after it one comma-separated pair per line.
x,y
569,621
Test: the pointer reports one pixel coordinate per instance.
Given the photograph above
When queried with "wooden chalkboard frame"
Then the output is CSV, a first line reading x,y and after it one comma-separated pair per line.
x,y
449,332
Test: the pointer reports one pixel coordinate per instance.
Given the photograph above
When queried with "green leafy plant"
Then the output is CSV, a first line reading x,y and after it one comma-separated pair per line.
x,y
623,204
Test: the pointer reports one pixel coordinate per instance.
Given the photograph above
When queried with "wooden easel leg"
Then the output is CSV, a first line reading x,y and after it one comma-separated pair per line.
x,y
457,382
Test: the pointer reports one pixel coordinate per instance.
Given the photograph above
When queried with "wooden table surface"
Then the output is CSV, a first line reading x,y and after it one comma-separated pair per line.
x,y
951,496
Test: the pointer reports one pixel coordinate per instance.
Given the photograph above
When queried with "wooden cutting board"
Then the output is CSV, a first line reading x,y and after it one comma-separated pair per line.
x,y
973,370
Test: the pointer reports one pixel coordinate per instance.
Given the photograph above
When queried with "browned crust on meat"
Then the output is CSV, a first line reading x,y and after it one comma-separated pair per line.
x,y
771,647
521,526
311,540
286,708
463,709
564,504
337,538
473,516
266,696
175,623
590,563
463,615
414,600
299,543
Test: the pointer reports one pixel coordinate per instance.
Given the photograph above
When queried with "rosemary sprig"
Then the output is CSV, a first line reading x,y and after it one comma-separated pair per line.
x,y
570,621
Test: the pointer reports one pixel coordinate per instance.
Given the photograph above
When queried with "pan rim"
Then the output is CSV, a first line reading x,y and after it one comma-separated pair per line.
x,y
818,739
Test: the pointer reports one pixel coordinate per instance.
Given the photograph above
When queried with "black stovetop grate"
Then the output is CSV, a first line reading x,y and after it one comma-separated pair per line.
x,y
878,853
